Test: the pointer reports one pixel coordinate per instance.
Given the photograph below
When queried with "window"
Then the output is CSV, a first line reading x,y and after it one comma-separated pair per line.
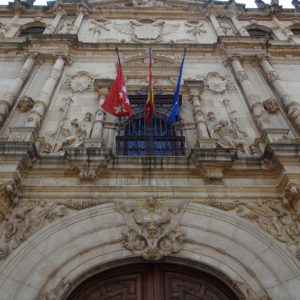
x,y
260,33
32,30
160,138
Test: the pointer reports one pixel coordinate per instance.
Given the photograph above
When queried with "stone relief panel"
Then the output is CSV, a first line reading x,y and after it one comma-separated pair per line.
x,y
30,216
226,115
66,25
277,217
152,227
71,116
227,26
145,31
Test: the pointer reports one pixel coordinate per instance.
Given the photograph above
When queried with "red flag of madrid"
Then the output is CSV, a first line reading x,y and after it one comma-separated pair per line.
x,y
117,101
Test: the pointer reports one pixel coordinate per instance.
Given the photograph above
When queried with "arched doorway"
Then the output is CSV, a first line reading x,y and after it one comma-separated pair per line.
x,y
153,281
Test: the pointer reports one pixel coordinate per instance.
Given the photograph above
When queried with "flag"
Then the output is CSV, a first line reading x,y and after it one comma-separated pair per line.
x,y
150,105
117,101
174,114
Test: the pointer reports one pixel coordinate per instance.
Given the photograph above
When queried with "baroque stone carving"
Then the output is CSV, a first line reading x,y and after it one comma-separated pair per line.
x,y
25,104
71,133
98,26
292,197
271,106
24,220
30,216
79,82
216,83
66,26
152,227
227,26
272,216
13,191
147,29
195,28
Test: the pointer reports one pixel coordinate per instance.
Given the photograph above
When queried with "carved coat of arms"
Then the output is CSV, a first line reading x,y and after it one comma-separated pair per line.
x,y
147,29
153,228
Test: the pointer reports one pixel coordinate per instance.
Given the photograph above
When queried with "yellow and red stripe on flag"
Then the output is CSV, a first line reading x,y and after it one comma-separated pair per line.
x,y
150,104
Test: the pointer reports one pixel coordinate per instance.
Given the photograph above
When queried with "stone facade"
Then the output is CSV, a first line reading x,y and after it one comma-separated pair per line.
x,y
69,204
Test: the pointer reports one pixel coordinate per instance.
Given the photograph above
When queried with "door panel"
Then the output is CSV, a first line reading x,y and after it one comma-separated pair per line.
x,y
153,282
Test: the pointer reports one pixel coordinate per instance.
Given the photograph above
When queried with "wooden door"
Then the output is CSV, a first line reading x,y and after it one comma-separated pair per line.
x,y
153,282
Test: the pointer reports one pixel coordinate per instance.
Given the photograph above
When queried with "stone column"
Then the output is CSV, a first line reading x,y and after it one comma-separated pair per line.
x,y
216,25
43,101
242,31
53,26
292,107
249,91
78,22
10,97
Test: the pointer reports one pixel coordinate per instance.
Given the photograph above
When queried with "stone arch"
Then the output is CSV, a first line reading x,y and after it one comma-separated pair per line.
x,y
46,265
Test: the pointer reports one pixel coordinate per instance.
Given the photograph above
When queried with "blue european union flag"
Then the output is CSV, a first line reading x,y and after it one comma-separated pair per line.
x,y
174,114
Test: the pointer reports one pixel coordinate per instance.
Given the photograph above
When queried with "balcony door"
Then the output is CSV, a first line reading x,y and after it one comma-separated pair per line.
x,y
153,282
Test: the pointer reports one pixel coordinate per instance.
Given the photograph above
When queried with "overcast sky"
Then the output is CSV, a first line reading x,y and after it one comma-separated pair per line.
x,y
249,3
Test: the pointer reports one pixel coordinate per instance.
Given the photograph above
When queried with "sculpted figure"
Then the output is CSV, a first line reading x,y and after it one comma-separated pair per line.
x,y
221,131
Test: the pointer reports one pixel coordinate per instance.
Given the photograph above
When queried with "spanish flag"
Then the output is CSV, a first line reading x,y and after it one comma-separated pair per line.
x,y
150,104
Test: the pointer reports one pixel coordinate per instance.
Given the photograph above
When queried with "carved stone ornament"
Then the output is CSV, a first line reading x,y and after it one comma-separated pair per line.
x,y
272,216
79,82
147,29
25,104
216,83
292,196
271,106
29,217
152,227
195,28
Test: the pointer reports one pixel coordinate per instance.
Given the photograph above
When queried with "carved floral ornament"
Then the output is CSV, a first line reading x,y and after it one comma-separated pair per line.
x,y
79,82
216,82
152,227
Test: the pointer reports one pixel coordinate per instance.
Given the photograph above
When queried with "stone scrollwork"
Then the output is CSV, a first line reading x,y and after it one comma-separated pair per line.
x,y
272,216
147,29
195,28
152,227
98,26
24,220
30,216
216,82
79,82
